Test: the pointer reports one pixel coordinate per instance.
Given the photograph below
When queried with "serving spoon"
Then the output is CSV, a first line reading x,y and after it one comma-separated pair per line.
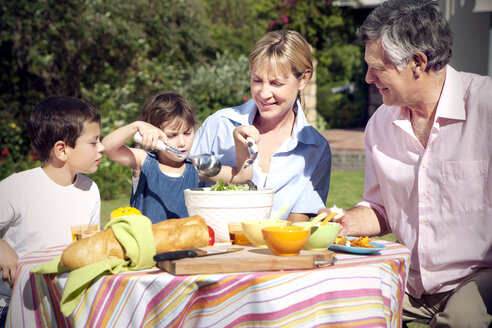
x,y
282,211
252,150
206,164
318,218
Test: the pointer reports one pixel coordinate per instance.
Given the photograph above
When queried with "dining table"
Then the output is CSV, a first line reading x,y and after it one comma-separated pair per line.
x,y
358,290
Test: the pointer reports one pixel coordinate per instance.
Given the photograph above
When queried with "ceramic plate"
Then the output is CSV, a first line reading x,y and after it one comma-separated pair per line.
x,y
358,250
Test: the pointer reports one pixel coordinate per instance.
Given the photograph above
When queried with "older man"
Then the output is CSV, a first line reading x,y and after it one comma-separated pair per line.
x,y
428,176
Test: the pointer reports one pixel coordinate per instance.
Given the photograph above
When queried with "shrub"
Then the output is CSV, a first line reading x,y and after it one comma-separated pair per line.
x,y
13,139
112,179
10,163
222,83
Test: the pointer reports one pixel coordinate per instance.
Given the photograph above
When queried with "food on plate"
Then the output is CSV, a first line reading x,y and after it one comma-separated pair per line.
x,y
128,210
221,186
356,242
169,235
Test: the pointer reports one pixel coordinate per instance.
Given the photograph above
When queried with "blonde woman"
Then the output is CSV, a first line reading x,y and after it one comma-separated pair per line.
x,y
294,159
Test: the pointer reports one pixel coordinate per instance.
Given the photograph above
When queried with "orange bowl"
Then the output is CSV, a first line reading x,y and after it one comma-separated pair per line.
x,y
252,230
285,240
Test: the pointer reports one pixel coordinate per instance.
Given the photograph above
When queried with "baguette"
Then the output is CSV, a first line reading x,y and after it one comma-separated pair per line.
x,y
169,235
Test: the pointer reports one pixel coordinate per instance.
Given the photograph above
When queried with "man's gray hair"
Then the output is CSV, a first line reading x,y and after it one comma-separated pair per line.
x,y
406,27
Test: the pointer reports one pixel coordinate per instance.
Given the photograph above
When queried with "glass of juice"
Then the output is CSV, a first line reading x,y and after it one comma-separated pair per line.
x,y
236,234
83,231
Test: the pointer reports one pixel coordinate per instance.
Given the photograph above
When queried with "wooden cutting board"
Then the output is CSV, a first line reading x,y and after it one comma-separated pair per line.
x,y
246,260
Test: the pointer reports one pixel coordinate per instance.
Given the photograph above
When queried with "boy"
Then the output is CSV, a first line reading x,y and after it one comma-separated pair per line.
x,y
38,206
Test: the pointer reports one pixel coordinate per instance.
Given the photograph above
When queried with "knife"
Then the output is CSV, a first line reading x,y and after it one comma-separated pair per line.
x,y
176,255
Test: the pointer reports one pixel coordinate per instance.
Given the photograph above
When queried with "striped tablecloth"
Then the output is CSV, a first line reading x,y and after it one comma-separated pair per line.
x,y
358,291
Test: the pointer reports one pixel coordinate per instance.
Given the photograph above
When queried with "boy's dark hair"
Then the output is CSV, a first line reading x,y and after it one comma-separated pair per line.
x,y
166,106
58,118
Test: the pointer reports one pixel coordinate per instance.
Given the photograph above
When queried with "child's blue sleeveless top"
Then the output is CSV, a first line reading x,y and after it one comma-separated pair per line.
x,y
159,196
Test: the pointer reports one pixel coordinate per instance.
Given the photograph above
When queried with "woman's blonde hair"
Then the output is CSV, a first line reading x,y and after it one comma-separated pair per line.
x,y
281,52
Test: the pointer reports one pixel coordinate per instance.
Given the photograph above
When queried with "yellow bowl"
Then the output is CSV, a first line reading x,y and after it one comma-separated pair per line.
x,y
252,229
286,240
322,236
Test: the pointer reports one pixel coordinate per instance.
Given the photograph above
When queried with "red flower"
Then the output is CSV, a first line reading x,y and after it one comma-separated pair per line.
x,y
34,156
5,151
284,18
245,98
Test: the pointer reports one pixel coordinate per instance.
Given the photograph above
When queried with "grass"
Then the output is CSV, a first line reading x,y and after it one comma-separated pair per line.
x,y
109,205
346,188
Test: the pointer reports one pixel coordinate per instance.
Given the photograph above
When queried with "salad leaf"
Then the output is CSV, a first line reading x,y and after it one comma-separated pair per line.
x,y
220,186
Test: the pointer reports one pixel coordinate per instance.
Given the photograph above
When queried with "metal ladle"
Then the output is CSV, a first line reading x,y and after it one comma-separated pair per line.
x,y
206,164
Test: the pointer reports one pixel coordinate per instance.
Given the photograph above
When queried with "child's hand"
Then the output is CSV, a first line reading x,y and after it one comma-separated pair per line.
x,y
8,262
242,132
150,135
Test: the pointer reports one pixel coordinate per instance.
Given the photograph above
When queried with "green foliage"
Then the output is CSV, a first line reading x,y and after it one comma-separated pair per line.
x,y
95,49
222,83
12,137
321,123
237,25
331,31
116,54
10,163
112,179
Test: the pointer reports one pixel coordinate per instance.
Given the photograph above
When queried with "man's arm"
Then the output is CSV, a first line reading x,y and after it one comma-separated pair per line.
x,y
360,221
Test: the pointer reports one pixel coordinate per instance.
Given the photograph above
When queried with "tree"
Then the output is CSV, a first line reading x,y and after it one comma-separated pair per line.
x,y
331,31
100,50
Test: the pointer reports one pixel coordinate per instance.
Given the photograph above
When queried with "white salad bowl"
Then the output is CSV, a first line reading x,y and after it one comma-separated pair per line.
x,y
219,208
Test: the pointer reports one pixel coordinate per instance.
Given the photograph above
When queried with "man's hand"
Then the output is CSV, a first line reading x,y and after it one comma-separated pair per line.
x,y
340,219
8,262
359,221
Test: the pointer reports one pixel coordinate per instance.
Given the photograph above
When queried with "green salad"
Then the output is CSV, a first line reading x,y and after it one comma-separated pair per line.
x,y
221,186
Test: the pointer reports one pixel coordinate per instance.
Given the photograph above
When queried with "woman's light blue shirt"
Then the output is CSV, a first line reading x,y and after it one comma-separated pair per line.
x,y
299,170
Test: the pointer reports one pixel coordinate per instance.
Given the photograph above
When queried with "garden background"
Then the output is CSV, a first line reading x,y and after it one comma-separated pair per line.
x,y
116,54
